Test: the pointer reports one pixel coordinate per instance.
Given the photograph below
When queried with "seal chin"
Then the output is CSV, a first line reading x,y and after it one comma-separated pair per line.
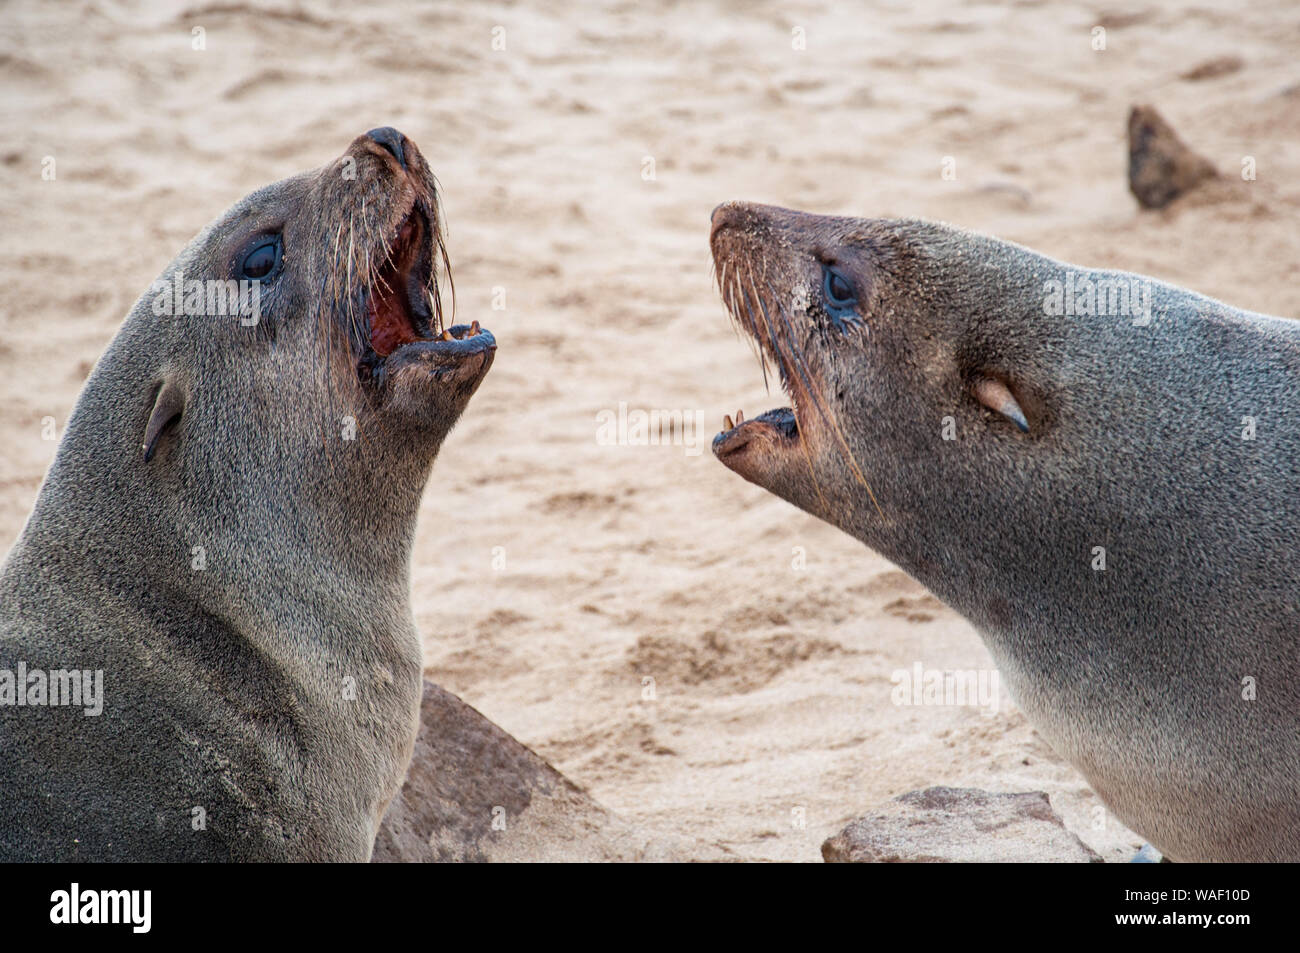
x,y
776,430
460,357
758,449
427,384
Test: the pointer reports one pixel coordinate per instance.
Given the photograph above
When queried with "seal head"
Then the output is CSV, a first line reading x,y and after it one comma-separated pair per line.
x,y
1058,453
225,535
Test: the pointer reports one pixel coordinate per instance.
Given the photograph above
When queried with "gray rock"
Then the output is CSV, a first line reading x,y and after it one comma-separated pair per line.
x,y
959,825
474,793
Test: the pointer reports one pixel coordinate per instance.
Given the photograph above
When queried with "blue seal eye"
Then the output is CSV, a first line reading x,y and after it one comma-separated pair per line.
x,y
839,293
262,260
841,301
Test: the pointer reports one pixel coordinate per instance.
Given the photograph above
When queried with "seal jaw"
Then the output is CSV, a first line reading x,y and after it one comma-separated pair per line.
x,y
462,354
775,430
427,384
762,450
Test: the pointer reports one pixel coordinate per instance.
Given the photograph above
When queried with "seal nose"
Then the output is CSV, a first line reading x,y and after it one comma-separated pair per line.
x,y
392,140
728,213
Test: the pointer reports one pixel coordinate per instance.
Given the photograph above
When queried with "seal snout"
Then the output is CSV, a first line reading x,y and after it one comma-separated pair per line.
x,y
731,214
403,353
391,141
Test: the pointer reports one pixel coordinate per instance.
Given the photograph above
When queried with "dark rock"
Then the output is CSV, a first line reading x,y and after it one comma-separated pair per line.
x,y
1160,166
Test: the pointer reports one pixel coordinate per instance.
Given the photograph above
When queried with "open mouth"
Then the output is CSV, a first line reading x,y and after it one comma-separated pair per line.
x,y
397,308
775,430
400,323
755,306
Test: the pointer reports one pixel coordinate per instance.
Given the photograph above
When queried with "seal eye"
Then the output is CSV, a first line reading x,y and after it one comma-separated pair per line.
x,y
262,260
838,291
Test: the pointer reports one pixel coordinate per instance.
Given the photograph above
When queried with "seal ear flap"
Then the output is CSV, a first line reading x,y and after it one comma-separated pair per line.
x,y
997,397
167,408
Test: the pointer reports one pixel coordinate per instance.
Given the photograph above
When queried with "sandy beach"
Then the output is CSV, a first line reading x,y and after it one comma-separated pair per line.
x,y
702,657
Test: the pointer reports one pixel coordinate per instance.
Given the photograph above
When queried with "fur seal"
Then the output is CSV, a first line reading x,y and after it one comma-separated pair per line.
x,y
222,543
1109,493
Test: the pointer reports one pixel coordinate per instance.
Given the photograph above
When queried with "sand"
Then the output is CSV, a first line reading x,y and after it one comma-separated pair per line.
x,y
555,570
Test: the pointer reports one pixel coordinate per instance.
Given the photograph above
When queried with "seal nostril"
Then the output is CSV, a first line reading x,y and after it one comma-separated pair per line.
x,y
392,140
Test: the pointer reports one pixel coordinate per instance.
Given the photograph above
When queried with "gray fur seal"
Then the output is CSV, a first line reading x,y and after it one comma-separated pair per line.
x,y
218,559
1099,470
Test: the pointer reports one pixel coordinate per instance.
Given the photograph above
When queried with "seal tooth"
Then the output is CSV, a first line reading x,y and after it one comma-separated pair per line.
x,y
726,422
446,336
740,417
474,329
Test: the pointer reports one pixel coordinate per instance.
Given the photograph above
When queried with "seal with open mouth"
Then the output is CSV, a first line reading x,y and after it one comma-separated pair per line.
x,y
207,650
1099,470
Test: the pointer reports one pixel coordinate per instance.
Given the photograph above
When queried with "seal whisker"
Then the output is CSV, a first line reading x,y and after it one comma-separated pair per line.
x,y
779,358
329,292
807,383
440,246
816,398
752,323
365,279
730,285
826,414
795,373
331,345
